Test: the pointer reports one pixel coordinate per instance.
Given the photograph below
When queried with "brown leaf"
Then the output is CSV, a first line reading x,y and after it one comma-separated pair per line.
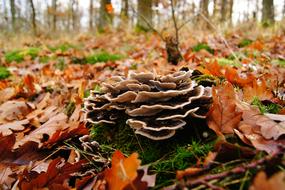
x,y
13,110
252,136
223,116
267,127
262,182
5,179
58,171
8,128
58,122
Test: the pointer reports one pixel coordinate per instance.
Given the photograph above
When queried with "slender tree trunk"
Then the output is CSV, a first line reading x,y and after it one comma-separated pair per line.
x,y
203,8
144,14
13,13
283,12
267,11
105,15
231,4
54,17
33,17
91,7
223,11
125,9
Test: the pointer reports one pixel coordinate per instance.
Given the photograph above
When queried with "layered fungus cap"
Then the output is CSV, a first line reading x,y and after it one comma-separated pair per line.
x,y
155,106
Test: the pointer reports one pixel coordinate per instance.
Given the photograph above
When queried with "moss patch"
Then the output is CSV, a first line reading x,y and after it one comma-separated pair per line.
x,y
19,55
164,157
4,73
201,46
102,57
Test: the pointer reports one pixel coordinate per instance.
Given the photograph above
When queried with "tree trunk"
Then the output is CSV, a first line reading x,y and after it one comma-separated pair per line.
x,y
105,14
231,4
203,8
267,11
144,14
223,11
54,17
125,9
13,13
33,17
283,12
91,7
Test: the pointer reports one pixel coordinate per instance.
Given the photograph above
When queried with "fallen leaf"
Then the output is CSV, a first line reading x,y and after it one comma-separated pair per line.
x,y
262,182
5,179
8,128
232,76
7,94
58,171
123,171
268,128
256,90
13,110
223,116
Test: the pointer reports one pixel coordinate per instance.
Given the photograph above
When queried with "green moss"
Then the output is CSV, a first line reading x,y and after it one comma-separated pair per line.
x,y
18,55
69,108
225,61
102,57
14,56
244,42
280,62
164,157
204,46
62,47
268,108
60,64
207,80
4,73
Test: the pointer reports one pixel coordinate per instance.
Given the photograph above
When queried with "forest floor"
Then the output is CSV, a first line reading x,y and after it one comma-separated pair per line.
x,y
45,142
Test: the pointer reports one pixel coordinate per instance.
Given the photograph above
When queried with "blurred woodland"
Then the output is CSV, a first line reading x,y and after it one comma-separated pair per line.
x,y
42,17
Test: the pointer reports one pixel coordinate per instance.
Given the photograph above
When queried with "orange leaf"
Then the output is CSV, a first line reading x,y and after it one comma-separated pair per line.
x,y
214,68
123,171
261,182
223,117
232,76
29,82
109,8
256,90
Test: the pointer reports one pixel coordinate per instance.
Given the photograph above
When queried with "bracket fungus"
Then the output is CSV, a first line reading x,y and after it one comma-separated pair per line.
x,y
155,106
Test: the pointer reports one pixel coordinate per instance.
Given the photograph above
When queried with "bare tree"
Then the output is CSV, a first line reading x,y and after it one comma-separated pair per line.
x,y
33,17
91,7
203,8
231,4
144,14
223,11
105,15
54,16
267,11
13,13
125,9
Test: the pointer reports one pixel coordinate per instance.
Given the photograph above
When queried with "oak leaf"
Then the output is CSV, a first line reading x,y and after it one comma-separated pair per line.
x,y
123,171
58,171
223,116
256,90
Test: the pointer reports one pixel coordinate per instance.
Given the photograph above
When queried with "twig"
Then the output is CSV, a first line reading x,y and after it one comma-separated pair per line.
x,y
236,170
174,22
